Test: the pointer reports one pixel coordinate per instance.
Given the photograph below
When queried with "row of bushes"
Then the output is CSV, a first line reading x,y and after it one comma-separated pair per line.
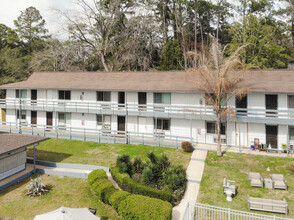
x,y
127,205
128,184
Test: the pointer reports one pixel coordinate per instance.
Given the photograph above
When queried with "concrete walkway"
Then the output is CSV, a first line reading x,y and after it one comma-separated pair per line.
x,y
244,150
194,176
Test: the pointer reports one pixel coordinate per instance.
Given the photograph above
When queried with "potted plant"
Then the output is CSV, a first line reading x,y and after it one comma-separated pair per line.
x,y
284,146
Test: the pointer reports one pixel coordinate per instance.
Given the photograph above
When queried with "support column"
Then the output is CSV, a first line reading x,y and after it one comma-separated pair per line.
x,y
288,140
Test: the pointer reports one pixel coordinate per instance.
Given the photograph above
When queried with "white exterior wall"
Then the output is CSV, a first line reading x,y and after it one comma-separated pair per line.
x,y
178,127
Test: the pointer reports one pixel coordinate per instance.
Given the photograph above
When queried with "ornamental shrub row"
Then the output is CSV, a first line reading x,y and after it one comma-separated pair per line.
x,y
128,184
97,175
127,205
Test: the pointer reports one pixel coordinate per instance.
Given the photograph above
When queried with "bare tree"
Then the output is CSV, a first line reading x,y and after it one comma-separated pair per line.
x,y
218,77
96,24
60,56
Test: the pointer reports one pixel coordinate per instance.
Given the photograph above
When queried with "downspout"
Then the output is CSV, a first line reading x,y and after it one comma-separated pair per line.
x,y
35,156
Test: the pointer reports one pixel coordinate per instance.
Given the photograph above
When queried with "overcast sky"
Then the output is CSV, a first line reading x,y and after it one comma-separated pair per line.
x,y
10,10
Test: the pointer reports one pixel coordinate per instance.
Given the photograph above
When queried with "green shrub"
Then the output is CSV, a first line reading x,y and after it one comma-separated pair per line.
x,y
128,184
187,146
103,189
96,175
138,165
175,177
142,207
124,164
117,197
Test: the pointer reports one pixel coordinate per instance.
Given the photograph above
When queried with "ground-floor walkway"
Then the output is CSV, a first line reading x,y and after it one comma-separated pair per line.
x,y
194,176
244,150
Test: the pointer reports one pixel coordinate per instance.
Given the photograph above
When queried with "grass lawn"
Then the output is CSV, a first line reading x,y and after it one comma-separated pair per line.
x,y
236,167
66,151
69,192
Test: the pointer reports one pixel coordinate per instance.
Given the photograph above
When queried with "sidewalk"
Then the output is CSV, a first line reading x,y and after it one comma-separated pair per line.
x,y
194,176
244,150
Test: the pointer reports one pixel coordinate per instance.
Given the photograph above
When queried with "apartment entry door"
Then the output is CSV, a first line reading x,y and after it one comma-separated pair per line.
x,y
33,117
142,100
241,134
142,125
272,135
49,118
121,99
271,103
33,96
121,123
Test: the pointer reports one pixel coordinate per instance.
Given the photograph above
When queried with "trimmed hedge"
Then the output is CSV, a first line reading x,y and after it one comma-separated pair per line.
x,y
96,175
142,207
103,189
117,197
127,205
128,184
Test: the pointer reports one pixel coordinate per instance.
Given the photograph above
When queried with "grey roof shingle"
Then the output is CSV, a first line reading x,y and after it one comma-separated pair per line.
x,y
257,81
9,142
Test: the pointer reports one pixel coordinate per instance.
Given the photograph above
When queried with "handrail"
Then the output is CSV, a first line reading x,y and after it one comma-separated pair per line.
x,y
159,139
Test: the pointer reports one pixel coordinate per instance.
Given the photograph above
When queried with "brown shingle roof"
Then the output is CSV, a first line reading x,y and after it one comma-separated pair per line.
x,y
267,81
9,142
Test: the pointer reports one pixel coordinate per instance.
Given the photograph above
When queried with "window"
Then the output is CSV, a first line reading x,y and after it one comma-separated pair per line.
x,y
104,120
23,114
207,97
64,118
162,98
64,95
211,128
23,93
103,96
291,101
162,124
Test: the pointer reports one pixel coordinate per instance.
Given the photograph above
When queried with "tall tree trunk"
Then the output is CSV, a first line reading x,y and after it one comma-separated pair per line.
x,y
195,43
292,30
102,57
218,125
164,23
175,20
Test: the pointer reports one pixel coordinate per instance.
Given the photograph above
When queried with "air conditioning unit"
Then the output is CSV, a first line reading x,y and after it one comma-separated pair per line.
x,y
223,140
106,106
159,134
159,108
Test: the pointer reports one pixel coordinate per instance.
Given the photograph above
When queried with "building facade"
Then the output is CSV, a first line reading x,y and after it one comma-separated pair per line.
x,y
157,108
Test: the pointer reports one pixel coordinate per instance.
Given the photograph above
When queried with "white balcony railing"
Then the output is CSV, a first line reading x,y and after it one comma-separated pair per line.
x,y
151,110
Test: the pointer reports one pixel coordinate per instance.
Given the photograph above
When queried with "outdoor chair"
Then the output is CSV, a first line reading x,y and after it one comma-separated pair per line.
x,y
229,185
255,179
279,181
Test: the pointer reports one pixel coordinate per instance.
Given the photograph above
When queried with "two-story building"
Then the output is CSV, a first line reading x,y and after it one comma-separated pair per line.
x,y
157,108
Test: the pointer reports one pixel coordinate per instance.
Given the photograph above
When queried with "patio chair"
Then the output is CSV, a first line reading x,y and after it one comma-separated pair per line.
x,y
229,185
255,179
279,181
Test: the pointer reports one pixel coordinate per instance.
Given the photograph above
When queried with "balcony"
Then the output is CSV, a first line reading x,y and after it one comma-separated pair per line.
x,y
153,110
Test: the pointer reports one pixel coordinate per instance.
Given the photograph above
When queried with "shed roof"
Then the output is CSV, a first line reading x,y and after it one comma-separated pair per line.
x,y
9,142
257,81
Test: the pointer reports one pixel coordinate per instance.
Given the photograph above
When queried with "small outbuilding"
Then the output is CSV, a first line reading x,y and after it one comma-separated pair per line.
x,y
13,152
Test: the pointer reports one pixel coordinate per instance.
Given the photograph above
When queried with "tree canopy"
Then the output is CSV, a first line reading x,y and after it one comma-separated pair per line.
x,y
143,35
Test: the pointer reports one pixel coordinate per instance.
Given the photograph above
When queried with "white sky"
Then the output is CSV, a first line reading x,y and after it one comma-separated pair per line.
x,y
10,10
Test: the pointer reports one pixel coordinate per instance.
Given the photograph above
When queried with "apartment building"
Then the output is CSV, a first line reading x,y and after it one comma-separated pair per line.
x,y
157,108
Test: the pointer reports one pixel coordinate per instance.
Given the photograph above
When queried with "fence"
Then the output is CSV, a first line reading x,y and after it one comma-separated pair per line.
x,y
96,135
199,211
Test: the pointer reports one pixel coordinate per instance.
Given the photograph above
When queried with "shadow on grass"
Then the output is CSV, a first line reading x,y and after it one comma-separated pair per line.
x,y
48,155
23,183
